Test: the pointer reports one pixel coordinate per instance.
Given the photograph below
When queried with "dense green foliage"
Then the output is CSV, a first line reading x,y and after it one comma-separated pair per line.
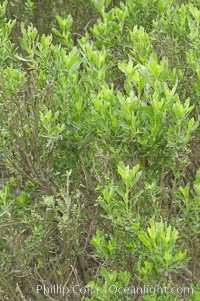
x,y
100,134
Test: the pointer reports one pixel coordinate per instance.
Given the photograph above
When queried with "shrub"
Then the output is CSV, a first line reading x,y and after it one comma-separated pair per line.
x,y
96,133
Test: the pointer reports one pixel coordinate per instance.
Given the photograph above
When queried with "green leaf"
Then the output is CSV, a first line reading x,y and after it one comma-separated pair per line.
x,y
145,239
57,33
98,4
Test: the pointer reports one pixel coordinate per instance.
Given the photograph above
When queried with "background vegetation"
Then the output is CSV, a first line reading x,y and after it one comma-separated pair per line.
x,y
99,141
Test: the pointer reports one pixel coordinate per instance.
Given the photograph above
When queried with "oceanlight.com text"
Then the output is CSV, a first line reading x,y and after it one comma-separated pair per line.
x,y
63,290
